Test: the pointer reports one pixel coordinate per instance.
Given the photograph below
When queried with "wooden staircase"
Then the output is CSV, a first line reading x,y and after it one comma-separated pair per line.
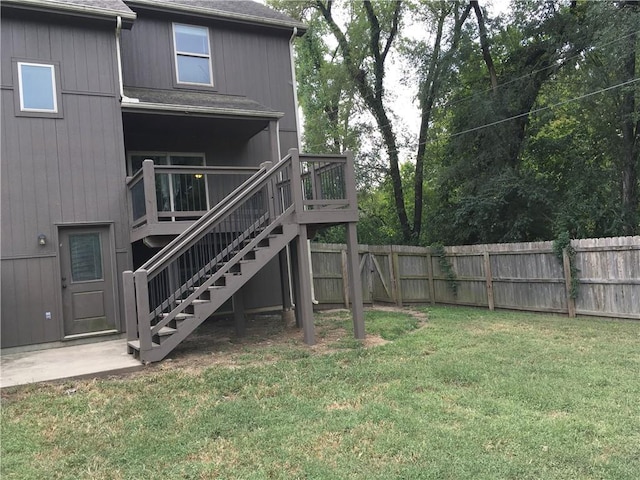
x,y
185,283
199,303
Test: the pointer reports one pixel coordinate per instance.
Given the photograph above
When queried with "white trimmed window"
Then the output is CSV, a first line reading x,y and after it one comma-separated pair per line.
x,y
37,87
192,54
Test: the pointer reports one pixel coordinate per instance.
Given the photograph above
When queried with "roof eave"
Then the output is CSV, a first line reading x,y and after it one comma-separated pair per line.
x,y
164,6
66,8
199,110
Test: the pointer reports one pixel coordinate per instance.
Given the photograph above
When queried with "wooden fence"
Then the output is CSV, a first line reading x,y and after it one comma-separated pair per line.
x,y
518,276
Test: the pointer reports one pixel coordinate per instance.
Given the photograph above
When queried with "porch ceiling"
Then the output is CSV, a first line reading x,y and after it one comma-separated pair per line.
x,y
186,126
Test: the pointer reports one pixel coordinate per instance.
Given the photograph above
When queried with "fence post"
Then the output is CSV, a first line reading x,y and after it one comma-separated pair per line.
x,y
395,274
130,314
432,289
142,305
571,303
150,201
371,267
487,271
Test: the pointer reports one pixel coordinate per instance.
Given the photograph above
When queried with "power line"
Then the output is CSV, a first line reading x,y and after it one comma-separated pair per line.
x,y
541,109
548,107
473,95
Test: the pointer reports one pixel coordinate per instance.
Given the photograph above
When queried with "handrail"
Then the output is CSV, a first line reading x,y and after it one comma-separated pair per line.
x,y
206,170
229,202
195,225
134,177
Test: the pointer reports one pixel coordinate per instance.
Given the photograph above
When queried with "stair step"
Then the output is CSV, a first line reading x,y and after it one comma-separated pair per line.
x,y
196,301
180,316
166,331
135,344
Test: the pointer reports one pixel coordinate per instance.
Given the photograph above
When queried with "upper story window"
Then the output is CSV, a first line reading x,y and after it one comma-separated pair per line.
x,y
37,87
192,54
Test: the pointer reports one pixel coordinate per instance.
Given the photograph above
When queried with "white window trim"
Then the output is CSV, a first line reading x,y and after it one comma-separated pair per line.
x,y
52,69
177,53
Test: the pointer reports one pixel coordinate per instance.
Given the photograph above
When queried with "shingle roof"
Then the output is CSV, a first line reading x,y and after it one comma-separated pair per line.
x,y
197,102
104,8
239,10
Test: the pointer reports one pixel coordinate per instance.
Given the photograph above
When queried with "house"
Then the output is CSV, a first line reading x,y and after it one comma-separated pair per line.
x,y
150,171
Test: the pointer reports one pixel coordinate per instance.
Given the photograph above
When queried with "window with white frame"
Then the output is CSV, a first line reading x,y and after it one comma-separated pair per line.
x,y
192,54
37,87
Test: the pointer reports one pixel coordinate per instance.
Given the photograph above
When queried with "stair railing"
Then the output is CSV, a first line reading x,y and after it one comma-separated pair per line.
x,y
207,250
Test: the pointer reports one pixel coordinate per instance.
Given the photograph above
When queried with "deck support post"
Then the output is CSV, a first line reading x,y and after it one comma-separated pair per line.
x,y
142,305
304,305
355,283
288,315
239,318
130,313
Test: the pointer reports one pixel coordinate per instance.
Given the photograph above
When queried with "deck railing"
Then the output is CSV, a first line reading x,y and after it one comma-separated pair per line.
x,y
165,199
167,193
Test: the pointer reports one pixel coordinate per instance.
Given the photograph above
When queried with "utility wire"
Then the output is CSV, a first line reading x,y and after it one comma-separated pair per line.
x,y
474,95
548,107
541,109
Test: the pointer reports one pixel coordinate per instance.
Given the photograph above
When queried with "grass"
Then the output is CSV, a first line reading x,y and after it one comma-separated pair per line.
x,y
471,395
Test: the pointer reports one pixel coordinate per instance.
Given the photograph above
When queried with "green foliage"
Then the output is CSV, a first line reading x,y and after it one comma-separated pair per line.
x,y
446,267
535,155
561,244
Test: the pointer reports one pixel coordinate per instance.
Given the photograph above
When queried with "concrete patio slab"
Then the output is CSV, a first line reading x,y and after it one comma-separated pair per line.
x,y
88,360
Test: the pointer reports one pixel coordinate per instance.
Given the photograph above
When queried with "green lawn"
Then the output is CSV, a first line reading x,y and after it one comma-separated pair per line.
x,y
470,394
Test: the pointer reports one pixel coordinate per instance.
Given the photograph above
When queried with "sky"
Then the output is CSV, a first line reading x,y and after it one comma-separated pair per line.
x,y
401,92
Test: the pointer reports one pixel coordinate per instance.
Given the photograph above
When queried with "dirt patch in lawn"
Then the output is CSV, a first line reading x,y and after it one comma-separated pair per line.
x,y
267,339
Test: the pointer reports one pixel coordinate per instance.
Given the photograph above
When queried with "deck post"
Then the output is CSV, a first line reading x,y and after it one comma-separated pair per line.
x,y
130,314
288,315
271,201
355,284
350,181
296,181
304,305
150,202
142,305
239,318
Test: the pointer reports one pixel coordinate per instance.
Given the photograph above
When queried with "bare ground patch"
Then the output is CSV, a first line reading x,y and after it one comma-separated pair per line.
x,y
267,340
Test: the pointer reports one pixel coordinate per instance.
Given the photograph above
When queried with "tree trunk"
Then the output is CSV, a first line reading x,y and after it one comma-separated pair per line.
x,y
630,141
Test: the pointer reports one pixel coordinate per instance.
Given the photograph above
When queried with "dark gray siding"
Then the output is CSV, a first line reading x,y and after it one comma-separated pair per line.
x,y
254,64
56,170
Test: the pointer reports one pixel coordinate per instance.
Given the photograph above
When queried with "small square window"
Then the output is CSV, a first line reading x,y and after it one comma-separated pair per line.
x,y
192,54
37,86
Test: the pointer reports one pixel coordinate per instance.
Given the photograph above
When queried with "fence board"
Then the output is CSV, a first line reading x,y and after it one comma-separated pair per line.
x,y
519,276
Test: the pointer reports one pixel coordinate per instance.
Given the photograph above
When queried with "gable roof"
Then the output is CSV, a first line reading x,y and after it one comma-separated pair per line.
x,y
90,8
244,11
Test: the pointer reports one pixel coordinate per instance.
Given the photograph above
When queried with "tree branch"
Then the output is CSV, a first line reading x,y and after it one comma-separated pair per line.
x,y
484,44
394,29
